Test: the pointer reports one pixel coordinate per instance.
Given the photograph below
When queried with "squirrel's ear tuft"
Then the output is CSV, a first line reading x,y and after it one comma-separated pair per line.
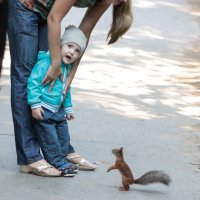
x,y
121,149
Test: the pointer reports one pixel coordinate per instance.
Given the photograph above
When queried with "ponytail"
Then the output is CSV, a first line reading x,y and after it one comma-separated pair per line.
x,y
122,20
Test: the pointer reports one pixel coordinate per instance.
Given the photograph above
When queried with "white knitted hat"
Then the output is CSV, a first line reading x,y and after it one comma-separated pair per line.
x,y
75,35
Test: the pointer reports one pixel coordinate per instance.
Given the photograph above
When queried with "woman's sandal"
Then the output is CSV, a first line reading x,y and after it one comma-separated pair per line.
x,y
81,162
40,168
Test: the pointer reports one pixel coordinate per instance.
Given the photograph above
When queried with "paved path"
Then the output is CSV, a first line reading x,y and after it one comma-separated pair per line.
x,y
141,93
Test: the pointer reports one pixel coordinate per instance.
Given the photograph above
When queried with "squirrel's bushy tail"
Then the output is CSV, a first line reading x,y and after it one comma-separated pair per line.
x,y
153,177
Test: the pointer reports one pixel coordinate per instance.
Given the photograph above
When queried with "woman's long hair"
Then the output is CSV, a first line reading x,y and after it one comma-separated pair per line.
x,y
122,20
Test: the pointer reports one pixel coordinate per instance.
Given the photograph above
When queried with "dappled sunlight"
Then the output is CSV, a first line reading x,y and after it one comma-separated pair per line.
x,y
174,5
144,70
190,111
144,4
110,103
126,89
122,52
194,7
149,32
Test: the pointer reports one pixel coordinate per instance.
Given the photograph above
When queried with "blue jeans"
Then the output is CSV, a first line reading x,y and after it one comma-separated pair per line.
x,y
27,33
53,136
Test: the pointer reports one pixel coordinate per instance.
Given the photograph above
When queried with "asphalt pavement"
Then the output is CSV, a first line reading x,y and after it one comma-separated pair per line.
x,y
141,93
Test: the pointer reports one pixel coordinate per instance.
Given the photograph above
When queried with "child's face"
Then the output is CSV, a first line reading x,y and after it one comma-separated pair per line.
x,y
70,52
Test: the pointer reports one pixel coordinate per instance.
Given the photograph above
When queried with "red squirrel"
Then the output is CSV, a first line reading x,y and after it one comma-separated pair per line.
x,y
128,178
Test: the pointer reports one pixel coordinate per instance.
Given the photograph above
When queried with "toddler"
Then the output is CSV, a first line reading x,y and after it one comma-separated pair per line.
x,y
51,108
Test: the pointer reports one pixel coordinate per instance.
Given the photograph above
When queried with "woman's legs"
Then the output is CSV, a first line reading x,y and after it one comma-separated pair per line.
x,y
23,40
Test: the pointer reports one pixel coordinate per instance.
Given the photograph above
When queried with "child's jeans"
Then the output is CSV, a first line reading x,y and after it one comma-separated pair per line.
x,y
53,136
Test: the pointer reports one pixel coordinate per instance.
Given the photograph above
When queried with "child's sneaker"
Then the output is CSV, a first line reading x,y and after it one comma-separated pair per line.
x,y
74,169
66,170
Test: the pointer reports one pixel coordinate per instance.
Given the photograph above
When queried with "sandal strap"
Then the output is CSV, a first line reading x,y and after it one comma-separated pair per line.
x,y
44,166
74,155
83,161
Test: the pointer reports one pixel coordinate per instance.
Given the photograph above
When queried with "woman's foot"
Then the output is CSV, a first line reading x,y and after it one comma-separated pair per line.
x,y
40,168
80,162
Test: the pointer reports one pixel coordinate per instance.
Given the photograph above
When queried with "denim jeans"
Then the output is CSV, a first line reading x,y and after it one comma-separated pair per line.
x,y
27,33
53,136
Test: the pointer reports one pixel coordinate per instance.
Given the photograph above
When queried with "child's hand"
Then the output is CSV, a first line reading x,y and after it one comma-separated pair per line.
x,y
37,113
70,116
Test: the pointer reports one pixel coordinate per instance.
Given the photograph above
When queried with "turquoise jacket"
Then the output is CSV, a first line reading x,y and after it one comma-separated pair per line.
x,y
39,95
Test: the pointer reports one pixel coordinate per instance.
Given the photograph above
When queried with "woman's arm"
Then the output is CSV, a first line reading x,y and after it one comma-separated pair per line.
x,y
92,16
57,13
87,24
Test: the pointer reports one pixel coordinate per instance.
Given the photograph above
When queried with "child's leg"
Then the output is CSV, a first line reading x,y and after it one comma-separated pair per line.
x,y
63,134
47,136
64,138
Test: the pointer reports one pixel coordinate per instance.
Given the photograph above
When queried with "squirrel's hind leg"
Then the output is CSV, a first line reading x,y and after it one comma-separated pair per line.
x,y
125,186
122,188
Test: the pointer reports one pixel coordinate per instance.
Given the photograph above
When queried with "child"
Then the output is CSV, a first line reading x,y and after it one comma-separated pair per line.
x,y
50,108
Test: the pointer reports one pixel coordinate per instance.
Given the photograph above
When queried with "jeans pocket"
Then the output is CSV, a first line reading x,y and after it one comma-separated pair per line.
x,y
24,14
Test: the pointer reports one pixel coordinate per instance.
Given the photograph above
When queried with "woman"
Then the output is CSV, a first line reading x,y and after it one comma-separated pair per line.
x,y
27,31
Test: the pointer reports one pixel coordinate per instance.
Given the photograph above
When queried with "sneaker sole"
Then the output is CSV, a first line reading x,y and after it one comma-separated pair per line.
x,y
76,171
68,175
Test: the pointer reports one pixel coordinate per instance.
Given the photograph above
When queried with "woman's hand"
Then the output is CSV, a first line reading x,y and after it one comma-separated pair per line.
x,y
37,113
51,75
